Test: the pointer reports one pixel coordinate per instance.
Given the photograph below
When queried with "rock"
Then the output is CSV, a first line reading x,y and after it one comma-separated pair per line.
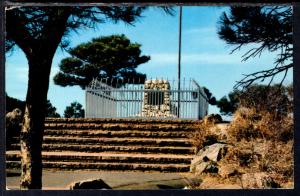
x,y
13,125
209,153
90,184
200,167
14,118
226,171
212,167
215,183
213,152
258,180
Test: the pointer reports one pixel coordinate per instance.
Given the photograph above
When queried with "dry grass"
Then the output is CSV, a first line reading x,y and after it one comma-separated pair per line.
x,y
208,133
261,142
249,124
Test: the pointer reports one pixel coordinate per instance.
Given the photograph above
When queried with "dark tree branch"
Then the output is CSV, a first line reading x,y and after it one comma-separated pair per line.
x,y
261,75
269,27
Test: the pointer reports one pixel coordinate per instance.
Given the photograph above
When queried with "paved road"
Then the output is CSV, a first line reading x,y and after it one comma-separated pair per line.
x,y
60,180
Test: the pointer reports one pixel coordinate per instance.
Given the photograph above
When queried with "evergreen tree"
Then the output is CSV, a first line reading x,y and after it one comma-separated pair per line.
x,y
276,99
211,99
228,104
110,57
75,110
51,110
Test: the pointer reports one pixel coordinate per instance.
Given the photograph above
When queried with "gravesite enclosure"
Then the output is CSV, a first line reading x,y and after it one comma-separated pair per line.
x,y
149,97
155,99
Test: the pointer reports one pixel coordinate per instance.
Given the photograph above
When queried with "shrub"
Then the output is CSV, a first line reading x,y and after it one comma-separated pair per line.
x,y
205,135
243,125
249,123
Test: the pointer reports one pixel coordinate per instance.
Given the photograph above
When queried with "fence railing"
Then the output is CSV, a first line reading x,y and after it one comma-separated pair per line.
x,y
150,100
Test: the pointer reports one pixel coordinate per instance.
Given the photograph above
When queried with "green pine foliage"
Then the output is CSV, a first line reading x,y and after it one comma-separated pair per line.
x,y
109,57
75,110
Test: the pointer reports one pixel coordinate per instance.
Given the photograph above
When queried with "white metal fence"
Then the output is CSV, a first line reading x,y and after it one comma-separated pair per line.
x,y
112,100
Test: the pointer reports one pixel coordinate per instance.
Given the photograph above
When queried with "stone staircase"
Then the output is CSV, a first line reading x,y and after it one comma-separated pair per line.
x,y
113,144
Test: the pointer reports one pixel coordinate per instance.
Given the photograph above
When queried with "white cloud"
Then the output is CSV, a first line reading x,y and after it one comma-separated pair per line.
x,y
201,30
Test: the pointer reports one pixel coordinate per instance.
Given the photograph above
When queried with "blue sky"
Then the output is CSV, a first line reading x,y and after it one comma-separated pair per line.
x,y
205,57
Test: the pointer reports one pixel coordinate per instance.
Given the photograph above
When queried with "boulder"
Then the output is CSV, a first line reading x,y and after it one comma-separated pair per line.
x,y
209,153
90,184
258,180
201,167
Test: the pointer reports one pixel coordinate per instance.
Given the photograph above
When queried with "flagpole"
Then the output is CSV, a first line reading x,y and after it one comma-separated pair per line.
x,y
179,59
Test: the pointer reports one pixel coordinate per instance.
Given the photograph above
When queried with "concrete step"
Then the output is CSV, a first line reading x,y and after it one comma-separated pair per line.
x,y
107,166
101,148
68,156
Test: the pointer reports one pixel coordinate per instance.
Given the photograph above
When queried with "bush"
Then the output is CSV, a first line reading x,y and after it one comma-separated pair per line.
x,y
263,142
213,118
243,125
249,123
206,134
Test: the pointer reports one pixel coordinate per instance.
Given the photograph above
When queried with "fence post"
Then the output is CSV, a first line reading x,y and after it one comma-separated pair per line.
x,y
199,104
86,102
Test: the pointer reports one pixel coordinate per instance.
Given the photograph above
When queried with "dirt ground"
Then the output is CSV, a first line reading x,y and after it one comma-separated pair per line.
x,y
60,180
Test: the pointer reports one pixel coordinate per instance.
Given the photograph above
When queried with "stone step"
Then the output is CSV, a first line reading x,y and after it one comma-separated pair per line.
x,y
179,142
107,166
102,148
123,120
115,127
114,144
119,134
67,156
118,141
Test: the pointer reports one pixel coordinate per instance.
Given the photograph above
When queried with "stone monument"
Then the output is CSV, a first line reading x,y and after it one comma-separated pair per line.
x,y
157,103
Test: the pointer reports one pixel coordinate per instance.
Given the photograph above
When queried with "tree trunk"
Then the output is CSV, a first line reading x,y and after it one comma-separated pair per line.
x,y
33,123
39,44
